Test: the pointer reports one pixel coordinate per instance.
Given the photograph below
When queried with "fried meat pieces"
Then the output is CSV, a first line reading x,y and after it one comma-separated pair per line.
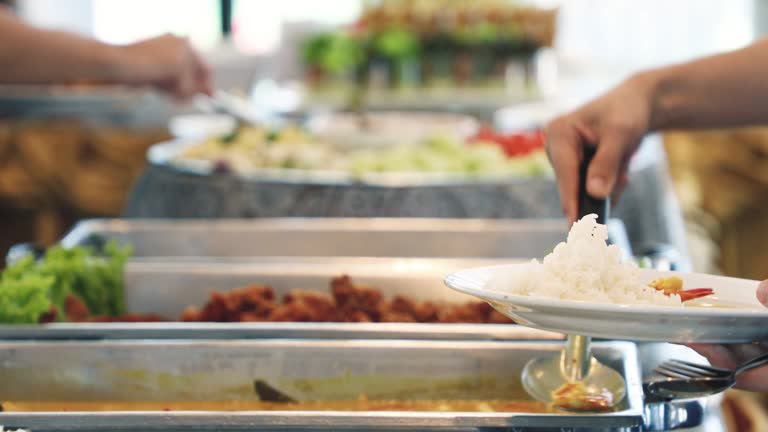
x,y
346,303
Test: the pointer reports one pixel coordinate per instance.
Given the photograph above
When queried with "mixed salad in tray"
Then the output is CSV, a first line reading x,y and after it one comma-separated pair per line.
x,y
481,155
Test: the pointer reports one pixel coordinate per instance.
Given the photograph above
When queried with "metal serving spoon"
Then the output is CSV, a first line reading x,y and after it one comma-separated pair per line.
x,y
225,103
599,384
691,380
601,387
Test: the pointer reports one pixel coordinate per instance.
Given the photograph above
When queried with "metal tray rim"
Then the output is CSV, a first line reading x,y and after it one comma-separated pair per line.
x,y
318,224
197,331
311,418
628,349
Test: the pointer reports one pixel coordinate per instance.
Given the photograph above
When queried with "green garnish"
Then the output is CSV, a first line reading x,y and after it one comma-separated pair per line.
x,y
273,136
29,288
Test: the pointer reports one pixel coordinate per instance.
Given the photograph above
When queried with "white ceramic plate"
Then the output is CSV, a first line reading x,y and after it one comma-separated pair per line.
x,y
731,315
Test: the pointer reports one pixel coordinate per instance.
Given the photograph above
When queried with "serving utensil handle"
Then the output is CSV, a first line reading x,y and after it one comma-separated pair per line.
x,y
576,359
588,204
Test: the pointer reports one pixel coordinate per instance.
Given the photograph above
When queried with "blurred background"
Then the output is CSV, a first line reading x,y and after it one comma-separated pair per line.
x,y
74,152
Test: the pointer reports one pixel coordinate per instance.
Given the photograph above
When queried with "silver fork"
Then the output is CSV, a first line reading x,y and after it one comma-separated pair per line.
x,y
692,380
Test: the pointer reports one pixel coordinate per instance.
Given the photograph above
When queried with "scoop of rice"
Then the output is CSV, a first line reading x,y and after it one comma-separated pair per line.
x,y
583,268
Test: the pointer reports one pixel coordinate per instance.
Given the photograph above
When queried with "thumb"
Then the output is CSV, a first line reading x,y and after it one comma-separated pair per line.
x,y
762,293
604,169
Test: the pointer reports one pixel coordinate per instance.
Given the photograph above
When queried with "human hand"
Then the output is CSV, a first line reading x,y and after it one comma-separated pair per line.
x,y
615,123
732,356
168,63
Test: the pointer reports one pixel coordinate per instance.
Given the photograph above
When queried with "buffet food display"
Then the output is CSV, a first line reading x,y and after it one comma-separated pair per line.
x,y
64,284
81,284
345,302
324,374
325,324
429,42
266,275
78,285
261,150
378,164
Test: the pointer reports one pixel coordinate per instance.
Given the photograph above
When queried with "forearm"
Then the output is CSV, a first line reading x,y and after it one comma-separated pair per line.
x,y
29,55
725,90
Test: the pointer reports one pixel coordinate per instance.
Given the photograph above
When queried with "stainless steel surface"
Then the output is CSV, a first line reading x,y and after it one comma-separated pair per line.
x,y
206,370
168,192
168,288
394,237
327,237
98,331
690,415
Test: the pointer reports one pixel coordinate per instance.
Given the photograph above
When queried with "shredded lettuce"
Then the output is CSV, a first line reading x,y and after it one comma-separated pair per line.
x,y
24,299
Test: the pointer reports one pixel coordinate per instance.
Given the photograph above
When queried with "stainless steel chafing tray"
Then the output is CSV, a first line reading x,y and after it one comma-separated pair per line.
x,y
399,237
305,370
168,288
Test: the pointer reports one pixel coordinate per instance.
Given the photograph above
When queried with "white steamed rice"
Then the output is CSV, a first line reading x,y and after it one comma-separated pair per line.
x,y
583,268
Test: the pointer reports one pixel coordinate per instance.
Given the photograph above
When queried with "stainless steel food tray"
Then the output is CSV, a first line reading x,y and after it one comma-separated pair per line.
x,y
457,238
168,288
304,370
